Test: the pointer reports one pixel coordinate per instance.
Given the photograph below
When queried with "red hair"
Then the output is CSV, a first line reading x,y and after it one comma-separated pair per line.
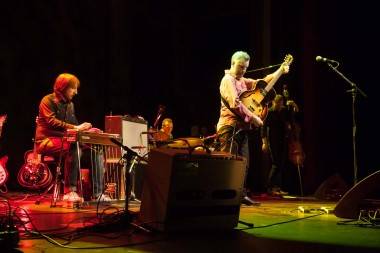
x,y
64,81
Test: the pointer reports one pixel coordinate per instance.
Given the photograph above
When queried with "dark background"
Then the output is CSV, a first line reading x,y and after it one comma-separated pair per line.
x,y
132,56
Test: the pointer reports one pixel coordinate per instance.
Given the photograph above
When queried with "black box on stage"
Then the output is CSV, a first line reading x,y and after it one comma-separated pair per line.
x,y
133,131
184,191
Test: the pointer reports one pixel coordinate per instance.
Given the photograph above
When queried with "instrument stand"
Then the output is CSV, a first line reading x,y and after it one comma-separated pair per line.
x,y
354,90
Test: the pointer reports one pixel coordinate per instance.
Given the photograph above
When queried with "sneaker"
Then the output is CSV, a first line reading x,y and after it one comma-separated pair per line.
x,y
104,198
72,197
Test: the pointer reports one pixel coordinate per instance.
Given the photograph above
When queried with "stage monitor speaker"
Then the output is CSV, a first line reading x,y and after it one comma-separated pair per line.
x,y
362,196
183,191
333,188
133,131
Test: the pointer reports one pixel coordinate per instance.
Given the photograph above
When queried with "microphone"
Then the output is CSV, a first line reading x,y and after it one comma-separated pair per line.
x,y
322,59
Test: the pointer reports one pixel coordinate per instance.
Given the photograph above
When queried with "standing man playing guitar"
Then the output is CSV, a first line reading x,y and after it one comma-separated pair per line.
x,y
235,117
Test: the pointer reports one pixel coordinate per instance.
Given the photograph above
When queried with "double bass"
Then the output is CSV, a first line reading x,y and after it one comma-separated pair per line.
x,y
295,151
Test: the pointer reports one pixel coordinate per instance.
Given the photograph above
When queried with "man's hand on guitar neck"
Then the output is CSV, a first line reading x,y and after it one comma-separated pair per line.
x,y
285,68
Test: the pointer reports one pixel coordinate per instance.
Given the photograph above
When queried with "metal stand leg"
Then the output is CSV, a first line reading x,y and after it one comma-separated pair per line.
x,y
57,187
132,174
56,184
38,201
300,178
80,190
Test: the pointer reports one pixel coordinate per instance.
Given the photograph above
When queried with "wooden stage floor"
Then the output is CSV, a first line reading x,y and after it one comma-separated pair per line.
x,y
278,226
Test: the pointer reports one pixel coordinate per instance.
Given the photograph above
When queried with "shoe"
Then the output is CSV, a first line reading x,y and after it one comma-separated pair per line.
x,y
283,192
277,192
249,202
72,197
104,198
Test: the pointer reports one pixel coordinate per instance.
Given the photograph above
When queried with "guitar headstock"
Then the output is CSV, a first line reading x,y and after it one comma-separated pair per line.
x,y
285,65
287,60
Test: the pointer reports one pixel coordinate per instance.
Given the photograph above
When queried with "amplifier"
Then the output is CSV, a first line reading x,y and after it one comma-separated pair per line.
x,y
133,131
192,191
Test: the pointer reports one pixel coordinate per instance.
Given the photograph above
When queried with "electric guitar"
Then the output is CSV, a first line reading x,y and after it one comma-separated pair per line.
x,y
4,159
254,99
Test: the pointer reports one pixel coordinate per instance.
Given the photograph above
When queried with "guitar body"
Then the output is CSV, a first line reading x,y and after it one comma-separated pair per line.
x,y
34,174
3,170
257,100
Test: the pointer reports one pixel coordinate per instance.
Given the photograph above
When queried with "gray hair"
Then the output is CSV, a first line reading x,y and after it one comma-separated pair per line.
x,y
240,55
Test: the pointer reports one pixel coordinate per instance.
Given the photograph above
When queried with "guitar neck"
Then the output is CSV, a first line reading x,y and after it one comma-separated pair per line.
x,y
35,155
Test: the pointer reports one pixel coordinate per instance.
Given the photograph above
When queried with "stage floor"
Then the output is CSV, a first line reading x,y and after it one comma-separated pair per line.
x,y
279,225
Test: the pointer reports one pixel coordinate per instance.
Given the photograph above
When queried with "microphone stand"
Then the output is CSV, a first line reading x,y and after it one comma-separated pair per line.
x,y
354,90
264,68
159,115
